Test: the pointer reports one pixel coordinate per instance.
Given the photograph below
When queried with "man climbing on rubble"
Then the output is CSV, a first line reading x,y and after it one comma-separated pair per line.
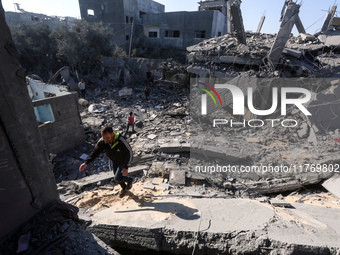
x,y
119,151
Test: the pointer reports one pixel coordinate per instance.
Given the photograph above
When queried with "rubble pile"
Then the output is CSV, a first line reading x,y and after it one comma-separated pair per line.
x,y
304,56
55,230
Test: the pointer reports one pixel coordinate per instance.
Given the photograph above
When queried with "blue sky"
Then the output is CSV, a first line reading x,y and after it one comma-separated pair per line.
x,y
311,11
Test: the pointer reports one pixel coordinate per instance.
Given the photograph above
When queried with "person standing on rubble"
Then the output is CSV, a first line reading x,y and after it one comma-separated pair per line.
x,y
146,92
119,151
81,86
130,122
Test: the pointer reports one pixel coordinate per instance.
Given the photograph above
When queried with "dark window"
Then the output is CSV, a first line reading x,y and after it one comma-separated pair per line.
x,y
141,14
127,37
153,34
172,33
200,34
131,19
219,33
127,19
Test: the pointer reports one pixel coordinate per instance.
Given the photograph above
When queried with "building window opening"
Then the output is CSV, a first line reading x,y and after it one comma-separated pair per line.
x,y
141,14
131,19
219,33
127,37
90,12
172,33
200,34
44,113
127,19
153,34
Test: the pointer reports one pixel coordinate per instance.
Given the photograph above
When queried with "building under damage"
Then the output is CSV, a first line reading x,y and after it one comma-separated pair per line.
x,y
146,19
172,206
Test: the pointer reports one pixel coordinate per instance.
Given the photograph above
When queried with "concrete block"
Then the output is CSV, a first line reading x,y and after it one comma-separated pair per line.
x,y
177,177
149,186
333,185
280,203
152,136
175,147
137,169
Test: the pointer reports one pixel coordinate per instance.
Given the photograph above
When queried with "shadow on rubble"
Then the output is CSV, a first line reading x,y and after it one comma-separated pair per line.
x,y
180,210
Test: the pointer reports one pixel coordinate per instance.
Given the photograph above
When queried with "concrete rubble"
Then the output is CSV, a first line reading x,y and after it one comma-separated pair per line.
x,y
172,207
168,193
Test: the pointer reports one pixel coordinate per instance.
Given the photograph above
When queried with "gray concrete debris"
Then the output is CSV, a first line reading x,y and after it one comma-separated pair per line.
x,y
303,229
175,147
149,186
93,121
279,203
177,177
333,185
97,108
303,132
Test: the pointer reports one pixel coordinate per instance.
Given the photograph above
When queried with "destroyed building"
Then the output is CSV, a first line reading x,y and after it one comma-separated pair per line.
x,y
148,20
172,207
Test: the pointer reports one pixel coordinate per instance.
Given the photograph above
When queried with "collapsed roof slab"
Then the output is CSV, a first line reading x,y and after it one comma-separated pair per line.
x,y
172,225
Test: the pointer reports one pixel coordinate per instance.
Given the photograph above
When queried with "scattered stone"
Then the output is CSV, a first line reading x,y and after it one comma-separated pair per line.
x,y
97,108
149,186
177,177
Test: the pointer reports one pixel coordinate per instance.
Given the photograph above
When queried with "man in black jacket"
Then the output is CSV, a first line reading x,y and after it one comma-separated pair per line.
x,y
119,151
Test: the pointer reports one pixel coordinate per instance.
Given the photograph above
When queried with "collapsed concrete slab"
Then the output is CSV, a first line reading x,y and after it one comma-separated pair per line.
x,y
218,225
104,176
175,147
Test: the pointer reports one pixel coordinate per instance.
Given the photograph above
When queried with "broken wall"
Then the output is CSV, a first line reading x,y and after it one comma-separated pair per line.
x,y
66,130
26,180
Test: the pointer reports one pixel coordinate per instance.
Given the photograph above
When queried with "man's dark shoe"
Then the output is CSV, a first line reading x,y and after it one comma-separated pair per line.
x,y
122,193
129,185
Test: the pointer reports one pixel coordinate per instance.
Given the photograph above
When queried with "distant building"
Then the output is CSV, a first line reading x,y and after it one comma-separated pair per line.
x,y
147,19
16,18
120,15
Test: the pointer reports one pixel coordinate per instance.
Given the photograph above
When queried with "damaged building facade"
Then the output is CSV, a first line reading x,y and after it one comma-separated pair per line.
x,y
56,110
148,20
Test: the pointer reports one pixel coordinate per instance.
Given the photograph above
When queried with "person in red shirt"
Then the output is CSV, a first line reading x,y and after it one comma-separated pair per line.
x,y
130,122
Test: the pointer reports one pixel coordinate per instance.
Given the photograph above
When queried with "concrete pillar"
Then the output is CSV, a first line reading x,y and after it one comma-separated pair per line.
x,y
299,25
229,24
260,24
238,21
27,182
329,16
288,21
